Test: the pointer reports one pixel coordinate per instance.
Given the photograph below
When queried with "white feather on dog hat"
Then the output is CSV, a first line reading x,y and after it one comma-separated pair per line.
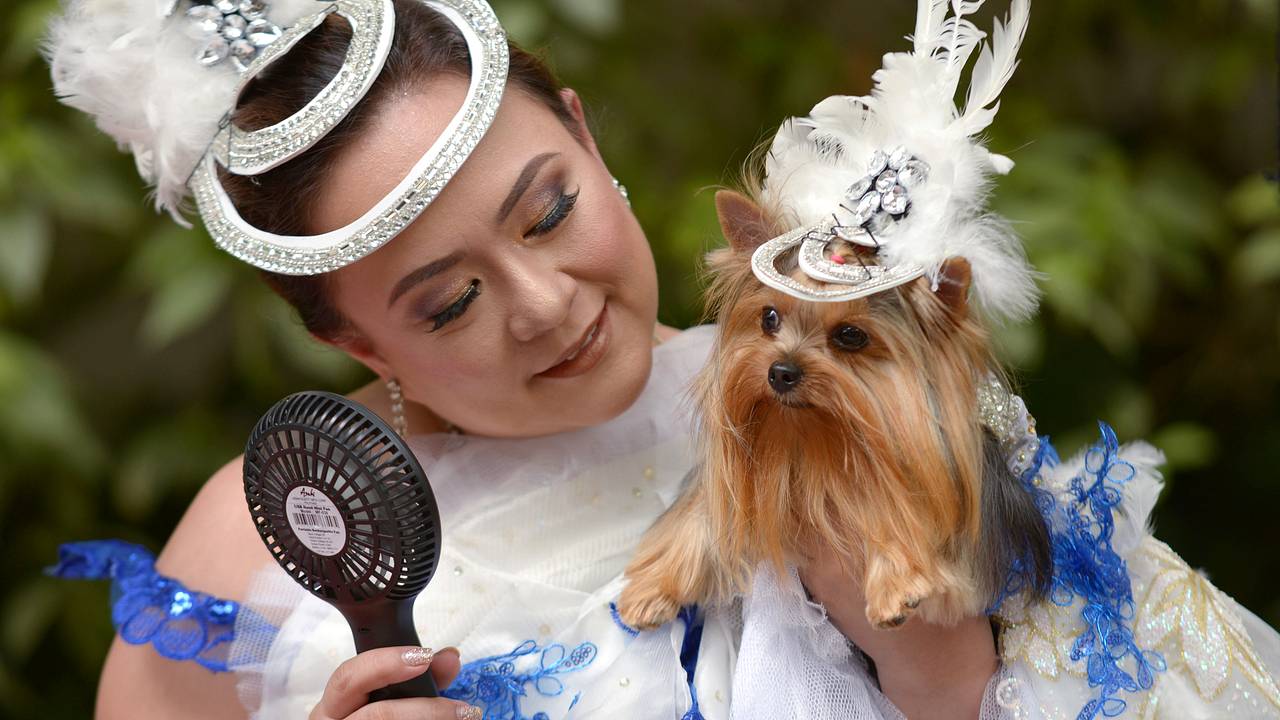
x,y
903,171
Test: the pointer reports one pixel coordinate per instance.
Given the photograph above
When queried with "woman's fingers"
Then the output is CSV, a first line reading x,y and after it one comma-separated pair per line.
x,y
349,687
445,666
417,709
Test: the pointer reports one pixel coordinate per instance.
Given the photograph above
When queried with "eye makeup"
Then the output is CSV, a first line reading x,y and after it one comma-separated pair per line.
x,y
559,211
439,319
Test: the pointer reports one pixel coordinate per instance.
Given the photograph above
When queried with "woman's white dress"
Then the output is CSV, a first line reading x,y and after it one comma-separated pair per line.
x,y
536,533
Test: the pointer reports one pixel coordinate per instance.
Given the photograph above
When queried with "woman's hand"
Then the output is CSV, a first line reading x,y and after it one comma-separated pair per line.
x,y
346,695
929,672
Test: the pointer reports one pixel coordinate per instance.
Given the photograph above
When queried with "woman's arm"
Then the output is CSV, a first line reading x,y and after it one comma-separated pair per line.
x,y
929,672
214,549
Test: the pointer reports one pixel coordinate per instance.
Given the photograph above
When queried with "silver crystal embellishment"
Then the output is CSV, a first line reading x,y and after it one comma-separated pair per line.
x,y
881,196
236,29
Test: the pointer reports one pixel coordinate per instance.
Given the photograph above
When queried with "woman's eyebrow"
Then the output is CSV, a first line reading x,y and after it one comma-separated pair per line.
x,y
522,184
432,268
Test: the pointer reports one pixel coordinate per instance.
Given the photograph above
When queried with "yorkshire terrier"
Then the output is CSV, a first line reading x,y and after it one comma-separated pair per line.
x,y
851,425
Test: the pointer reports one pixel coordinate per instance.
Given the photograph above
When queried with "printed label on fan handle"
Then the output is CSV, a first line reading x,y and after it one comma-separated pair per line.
x,y
315,520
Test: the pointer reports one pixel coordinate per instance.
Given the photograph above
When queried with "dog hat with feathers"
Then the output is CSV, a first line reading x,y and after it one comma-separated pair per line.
x,y
902,171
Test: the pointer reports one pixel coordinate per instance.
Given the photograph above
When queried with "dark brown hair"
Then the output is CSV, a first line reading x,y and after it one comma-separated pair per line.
x,y
425,45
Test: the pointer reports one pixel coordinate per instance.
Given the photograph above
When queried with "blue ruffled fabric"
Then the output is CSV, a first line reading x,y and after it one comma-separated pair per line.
x,y
689,647
147,607
496,683
1087,567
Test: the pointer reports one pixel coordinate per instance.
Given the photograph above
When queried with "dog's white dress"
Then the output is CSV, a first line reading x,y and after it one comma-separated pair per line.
x,y
536,533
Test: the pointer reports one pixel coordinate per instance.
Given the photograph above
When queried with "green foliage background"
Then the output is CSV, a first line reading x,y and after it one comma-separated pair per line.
x,y
134,357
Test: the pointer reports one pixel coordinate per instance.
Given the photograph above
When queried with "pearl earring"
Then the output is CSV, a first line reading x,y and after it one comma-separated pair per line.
x,y
622,190
398,422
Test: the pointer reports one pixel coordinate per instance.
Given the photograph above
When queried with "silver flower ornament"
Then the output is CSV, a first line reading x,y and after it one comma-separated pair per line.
x,y
236,29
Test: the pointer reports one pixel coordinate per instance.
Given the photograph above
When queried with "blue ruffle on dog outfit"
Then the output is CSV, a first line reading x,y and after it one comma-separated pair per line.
x,y
147,607
1087,568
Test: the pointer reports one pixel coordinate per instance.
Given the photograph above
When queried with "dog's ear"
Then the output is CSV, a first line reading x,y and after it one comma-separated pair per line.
x,y
953,285
742,221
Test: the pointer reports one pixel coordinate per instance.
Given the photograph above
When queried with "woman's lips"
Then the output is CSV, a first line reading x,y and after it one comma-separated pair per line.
x,y
588,356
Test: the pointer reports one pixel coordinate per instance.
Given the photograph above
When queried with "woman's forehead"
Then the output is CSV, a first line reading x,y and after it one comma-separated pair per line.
x,y
406,123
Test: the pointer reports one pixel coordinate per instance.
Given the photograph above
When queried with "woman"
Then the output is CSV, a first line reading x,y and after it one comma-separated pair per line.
x,y
512,327
517,314
521,304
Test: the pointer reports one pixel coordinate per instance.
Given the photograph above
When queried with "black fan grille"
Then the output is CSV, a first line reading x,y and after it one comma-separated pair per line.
x,y
344,451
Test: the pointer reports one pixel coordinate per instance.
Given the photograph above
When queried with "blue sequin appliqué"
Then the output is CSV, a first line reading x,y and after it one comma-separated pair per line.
x,y
147,607
497,683
1085,566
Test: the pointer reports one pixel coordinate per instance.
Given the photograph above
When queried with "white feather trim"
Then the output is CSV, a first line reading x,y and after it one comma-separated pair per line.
x,y
135,71
813,160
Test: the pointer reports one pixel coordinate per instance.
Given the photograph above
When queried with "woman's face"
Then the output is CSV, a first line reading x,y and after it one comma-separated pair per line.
x,y
527,251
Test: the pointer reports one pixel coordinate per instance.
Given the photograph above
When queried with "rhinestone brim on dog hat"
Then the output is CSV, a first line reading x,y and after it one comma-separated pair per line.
x,y
163,78
901,174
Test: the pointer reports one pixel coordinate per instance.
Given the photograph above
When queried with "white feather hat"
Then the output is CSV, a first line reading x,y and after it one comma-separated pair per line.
x,y
908,139
132,65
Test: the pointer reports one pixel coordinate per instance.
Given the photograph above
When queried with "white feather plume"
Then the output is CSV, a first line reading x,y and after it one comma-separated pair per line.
x,y
133,67
996,63
813,160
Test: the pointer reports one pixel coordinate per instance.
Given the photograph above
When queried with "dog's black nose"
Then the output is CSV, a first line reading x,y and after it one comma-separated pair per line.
x,y
784,375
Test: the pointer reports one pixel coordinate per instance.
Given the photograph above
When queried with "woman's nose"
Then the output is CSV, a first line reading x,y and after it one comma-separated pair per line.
x,y
542,299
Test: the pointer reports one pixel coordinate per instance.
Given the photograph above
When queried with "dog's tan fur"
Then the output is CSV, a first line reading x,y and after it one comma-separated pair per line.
x,y
876,453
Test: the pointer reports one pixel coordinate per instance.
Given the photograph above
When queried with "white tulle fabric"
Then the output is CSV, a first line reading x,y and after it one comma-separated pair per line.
x,y
1223,661
538,531
536,535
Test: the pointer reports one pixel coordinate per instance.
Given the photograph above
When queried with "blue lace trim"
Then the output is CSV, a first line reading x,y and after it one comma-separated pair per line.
x,y
147,607
617,619
494,684
1086,566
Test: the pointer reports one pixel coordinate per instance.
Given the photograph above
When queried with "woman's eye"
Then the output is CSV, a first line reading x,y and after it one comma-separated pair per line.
x,y
770,321
457,307
850,337
555,215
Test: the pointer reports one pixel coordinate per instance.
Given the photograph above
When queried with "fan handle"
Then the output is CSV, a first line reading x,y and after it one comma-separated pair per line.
x,y
371,631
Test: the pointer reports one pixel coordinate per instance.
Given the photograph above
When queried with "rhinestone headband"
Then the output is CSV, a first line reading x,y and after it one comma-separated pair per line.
x,y
253,152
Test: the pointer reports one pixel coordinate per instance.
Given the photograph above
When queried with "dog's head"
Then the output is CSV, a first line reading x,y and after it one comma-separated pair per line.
x,y
819,413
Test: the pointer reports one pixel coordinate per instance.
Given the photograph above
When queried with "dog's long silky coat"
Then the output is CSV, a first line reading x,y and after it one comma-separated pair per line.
x,y
874,451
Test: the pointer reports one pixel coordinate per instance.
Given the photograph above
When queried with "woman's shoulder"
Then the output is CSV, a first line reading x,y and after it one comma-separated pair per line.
x,y
215,547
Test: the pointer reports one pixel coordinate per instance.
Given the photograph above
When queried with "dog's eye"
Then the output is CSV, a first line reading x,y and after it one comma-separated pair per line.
x,y
770,321
850,337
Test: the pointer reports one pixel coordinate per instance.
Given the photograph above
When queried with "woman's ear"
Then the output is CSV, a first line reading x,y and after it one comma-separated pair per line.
x,y
742,221
360,348
573,104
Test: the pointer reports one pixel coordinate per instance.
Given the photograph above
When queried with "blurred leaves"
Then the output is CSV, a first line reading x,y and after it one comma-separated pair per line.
x,y
135,357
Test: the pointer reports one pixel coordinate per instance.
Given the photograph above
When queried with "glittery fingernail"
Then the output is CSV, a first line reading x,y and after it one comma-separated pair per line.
x,y
418,656
470,712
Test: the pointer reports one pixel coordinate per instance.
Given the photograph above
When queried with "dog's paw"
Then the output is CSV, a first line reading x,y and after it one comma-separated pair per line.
x,y
890,604
645,609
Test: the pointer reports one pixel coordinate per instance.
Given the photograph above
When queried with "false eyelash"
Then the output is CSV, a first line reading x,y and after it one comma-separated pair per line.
x,y
563,207
457,307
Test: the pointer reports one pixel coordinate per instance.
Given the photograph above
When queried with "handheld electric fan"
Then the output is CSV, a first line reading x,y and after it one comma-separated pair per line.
x,y
344,507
